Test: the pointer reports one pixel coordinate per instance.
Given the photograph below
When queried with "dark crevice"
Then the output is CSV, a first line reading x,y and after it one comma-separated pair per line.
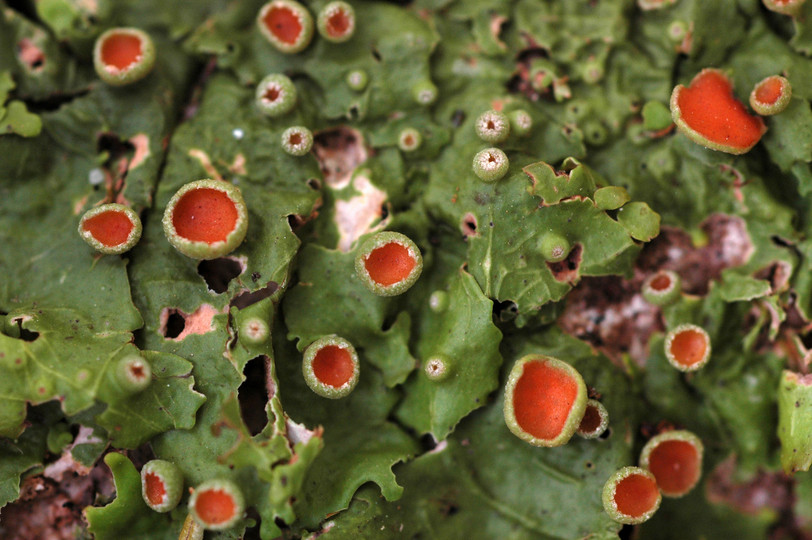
x,y
52,102
217,273
505,311
626,532
26,335
428,442
252,533
253,394
567,270
111,143
175,323
457,118
246,299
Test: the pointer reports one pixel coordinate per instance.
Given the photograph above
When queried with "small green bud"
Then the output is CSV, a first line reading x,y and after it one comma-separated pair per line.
x,y
424,92
521,122
438,301
677,31
595,133
437,368
492,126
254,331
297,140
409,140
276,95
490,164
554,247
357,79
592,72
132,374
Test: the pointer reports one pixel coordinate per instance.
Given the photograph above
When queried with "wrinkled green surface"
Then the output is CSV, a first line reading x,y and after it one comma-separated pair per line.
x,y
404,456
795,422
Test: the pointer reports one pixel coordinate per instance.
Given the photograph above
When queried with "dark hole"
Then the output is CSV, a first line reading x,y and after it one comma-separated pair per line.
x,y
388,322
109,142
53,101
468,225
589,464
525,55
449,509
606,434
376,55
253,395
314,184
218,272
247,298
384,211
252,533
777,240
295,221
626,532
230,47
175,324
806,339
26,335
505,311
458,117
353,112
428,442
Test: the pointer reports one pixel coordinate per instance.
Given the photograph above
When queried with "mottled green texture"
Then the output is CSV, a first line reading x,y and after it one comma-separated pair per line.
x,y
600,168
468,343
795,421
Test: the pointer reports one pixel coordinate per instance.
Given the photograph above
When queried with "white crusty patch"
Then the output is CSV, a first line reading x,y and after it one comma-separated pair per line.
x,y
238,167
355,217
205,162
141,144
66,463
